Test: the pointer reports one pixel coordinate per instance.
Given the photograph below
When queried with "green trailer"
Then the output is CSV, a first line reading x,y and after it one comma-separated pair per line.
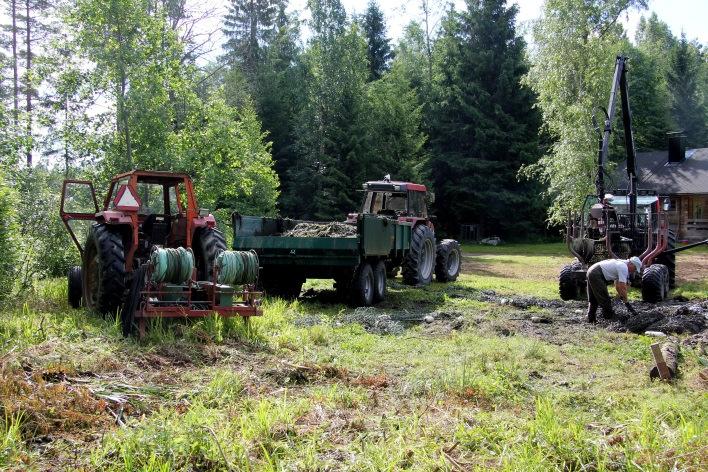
x,y
356,263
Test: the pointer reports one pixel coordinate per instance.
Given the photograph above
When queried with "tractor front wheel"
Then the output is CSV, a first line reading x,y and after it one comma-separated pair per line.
x,y
74,288
448,261
103,269
655,283
420,261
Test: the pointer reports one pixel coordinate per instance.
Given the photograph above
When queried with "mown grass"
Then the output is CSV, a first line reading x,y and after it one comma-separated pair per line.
x,y
297,389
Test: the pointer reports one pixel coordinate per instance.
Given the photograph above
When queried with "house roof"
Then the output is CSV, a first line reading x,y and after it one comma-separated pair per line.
x,y
655,172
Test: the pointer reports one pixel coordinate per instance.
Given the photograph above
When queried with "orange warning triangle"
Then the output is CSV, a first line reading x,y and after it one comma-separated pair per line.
x,y
126,200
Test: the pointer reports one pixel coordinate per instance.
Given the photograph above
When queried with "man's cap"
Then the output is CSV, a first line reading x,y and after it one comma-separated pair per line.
x,y
637,263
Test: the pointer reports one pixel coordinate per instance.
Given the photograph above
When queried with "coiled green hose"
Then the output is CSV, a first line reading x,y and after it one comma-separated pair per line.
x,y
237,267
172,265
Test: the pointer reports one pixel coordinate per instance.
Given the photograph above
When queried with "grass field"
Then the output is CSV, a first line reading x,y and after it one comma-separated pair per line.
x,y
304,388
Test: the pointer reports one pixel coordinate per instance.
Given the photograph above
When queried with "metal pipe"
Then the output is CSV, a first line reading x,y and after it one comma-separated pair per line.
x,y
688,246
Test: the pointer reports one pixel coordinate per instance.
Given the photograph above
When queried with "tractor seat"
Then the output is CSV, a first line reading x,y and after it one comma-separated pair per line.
x,y
156,228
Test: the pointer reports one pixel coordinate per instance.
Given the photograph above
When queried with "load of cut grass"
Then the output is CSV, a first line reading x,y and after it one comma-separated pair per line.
x,y
322,230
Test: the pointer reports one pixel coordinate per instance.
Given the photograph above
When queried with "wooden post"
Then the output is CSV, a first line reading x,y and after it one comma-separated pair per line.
x,y
666,360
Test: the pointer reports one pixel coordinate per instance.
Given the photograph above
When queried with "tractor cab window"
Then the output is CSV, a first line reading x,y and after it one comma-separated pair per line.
x,y
152,198
416,203
176,201
385,202
114,192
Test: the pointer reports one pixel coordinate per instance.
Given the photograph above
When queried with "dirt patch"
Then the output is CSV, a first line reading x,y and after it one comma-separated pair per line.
x,y
691,266
322,230
288,373
395,323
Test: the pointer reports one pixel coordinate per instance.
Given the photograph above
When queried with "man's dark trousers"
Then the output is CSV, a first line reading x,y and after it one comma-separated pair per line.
x,y
597,292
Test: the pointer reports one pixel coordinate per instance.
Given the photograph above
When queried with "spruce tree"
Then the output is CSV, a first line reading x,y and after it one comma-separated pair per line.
x,y
685,79
247,26
378,49
483,123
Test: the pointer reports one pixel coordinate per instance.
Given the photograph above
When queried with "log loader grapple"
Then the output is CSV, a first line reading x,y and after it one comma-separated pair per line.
x,y
628,222
150,252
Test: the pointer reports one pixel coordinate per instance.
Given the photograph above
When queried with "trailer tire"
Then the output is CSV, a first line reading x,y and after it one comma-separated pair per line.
x,y
655,283
74,288
362,293
448,261
669,260
207,244
103,269
379,282
567,287
419,262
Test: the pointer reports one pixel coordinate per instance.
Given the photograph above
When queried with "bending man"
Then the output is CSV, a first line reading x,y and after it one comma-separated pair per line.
x,y
604,273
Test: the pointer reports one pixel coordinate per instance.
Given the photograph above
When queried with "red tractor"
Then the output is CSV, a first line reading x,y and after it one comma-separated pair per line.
x,y
407,202
151,252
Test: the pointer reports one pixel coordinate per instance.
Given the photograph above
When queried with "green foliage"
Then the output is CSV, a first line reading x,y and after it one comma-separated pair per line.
x,y
247,25
9,237
483,126
687,79
378,49
577,42
224,149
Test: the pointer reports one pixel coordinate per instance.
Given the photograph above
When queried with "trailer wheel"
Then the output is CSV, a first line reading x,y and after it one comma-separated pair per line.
x,y
669,260
448,261
655,283
74,287
208,243
379,281
419,263
567,287
103,269
362,293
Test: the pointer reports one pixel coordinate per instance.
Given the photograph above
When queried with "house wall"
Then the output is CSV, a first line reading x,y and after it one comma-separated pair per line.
x,y
689,215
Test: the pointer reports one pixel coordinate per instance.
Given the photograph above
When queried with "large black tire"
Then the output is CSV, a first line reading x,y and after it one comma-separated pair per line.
x,y
655,283
362,288
567,286
669,260
132,302
74,287
419,262
103,269
448,261
379,281
207,244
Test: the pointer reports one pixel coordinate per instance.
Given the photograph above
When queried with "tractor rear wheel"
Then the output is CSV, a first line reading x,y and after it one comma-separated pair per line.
x,y
448,261
74,288
419,263
132,302
669,260
379,281
655,283
362,293
208,243
567,287
103,269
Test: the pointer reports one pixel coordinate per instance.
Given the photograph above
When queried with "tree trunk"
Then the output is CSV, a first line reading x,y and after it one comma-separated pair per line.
x,y
15,83
28,91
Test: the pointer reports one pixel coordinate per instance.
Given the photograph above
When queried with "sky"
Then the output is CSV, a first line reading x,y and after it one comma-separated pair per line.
x,y
689,16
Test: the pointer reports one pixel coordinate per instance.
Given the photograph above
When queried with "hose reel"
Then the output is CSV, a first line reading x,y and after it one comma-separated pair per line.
x,y
237,267
172,265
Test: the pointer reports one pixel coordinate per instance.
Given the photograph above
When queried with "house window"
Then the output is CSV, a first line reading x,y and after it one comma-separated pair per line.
x,y
698,210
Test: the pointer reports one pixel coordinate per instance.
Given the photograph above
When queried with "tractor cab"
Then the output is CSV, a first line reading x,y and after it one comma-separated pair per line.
x,y
403,201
